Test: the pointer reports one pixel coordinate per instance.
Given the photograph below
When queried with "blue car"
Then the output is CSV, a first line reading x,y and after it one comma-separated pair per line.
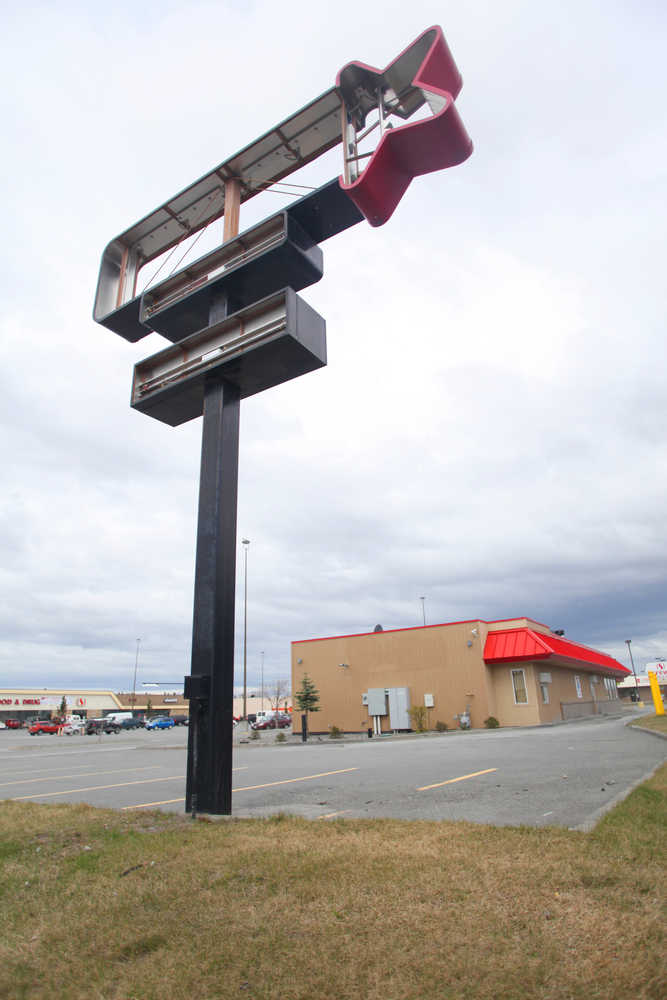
x,y
162,722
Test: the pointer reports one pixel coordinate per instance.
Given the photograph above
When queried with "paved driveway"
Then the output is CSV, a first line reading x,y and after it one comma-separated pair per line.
x,y
564,775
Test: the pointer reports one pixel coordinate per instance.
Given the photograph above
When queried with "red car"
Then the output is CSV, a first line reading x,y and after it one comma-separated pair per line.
x,y
13,723
44,726
281,721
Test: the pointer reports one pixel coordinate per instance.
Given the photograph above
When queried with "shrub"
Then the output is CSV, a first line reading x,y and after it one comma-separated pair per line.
x,y
441,727
491,722
255,734
418,717
335,733
280,736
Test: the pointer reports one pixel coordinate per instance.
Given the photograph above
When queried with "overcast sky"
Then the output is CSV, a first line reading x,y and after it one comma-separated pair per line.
x,y
490,430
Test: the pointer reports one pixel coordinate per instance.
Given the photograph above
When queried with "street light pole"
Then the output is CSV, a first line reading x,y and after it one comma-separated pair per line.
x,y
262,654
245,542
423,600
627,642
134,680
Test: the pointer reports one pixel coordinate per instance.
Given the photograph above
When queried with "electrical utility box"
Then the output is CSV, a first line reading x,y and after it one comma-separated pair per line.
x,y
377,701
399,708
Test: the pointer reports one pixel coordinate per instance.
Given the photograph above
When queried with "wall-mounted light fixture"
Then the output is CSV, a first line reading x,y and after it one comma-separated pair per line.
x,y
344,665
475,632
299,660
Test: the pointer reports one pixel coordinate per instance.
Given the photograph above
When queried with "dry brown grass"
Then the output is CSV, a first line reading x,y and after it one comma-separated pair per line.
x,y
105,905
657,723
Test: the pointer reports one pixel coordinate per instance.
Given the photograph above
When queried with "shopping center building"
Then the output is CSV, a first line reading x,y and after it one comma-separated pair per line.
x,y
517,671
42,703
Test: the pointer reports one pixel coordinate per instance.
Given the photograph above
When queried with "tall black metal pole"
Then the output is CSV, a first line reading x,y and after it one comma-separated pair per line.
x,y
627,643
134,679
246,543
209,770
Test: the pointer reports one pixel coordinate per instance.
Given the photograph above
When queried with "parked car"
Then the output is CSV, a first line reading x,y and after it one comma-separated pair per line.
x,y
133,723
267,723
13,723
161,722
94,726
73,728
2,725
272,720
181,720
44,726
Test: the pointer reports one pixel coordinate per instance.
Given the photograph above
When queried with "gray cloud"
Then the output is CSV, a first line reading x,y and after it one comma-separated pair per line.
x,y
490,429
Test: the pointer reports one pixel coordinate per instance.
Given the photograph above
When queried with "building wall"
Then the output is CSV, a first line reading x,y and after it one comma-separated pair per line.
x,y
443,660
433,660
508,713
562,689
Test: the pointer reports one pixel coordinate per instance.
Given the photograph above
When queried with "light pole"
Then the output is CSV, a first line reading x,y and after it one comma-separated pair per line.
x,y
134,679
423,600
627,643
245,542
262,654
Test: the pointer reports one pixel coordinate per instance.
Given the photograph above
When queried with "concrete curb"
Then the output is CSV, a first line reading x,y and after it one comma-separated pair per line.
x,y
649,732
592,821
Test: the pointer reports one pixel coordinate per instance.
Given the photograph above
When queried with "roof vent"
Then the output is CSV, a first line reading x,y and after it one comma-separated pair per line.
x,y
378,628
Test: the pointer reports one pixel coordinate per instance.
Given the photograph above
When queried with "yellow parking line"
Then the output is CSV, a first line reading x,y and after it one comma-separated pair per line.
x,y
451,781
98,788
288,781
331,815
61,777
249,788
147,805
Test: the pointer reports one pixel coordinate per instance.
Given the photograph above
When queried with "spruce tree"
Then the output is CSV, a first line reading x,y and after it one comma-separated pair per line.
x,y
307,698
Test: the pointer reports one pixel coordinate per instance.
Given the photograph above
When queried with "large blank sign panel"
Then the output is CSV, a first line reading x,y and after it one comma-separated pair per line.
x,y
266,344
276,254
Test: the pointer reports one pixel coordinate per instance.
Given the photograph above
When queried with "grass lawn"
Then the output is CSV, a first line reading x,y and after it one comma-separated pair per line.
x,y
102,904
657,723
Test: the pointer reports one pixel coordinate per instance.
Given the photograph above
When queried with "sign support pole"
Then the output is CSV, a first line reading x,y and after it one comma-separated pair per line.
x,y
209,767
210,740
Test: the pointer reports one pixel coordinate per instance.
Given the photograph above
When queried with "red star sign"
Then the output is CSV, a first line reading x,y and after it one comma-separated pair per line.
x,y
425,72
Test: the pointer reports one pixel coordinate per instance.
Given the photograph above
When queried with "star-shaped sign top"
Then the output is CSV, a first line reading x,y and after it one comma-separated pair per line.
x,y
424,74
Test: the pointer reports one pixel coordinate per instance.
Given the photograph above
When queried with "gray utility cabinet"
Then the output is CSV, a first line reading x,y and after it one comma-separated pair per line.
x,y
399,708
377,701
399,705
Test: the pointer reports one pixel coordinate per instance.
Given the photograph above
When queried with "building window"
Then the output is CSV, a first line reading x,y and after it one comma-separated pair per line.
x,y
610,685
519,685
577,684
544,688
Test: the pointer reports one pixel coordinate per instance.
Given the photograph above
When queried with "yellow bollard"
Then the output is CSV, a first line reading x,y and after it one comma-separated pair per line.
x,y
655,691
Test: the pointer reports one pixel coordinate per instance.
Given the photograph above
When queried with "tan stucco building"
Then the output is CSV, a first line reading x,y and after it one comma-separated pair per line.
x,y
517,670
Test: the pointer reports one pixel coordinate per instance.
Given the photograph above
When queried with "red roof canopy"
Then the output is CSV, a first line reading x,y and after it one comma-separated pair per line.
x,y
516,645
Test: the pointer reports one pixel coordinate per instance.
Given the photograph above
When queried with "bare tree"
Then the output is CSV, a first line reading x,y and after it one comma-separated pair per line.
x,y
278,693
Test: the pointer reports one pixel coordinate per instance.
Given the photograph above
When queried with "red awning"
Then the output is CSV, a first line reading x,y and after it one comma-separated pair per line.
x,y
516,645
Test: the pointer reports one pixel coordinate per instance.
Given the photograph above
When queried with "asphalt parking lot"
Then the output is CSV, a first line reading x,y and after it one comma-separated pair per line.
x,y
563,775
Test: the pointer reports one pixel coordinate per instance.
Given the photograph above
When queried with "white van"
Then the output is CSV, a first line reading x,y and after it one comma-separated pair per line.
x,y
117,716
270,714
